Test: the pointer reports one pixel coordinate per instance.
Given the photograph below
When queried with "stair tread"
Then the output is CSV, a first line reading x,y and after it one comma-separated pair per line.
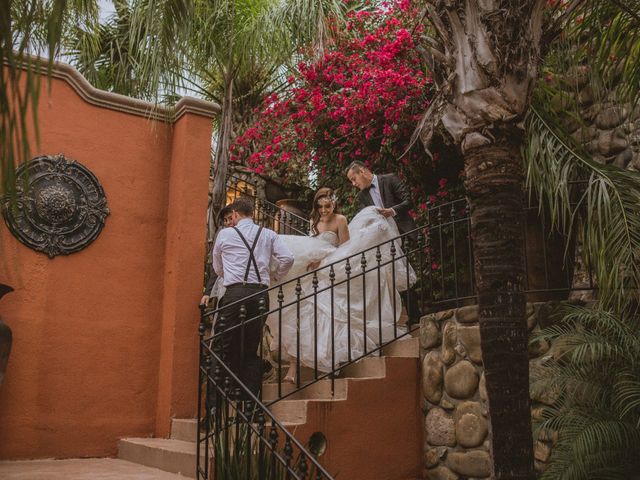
x,y
193,421
407,347
321,389
179,446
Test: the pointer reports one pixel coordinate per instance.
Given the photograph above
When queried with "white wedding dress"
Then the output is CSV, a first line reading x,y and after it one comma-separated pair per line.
x,y
355,315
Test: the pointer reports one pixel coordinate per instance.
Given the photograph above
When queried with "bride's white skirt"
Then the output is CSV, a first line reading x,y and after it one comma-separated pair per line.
x,y
358,312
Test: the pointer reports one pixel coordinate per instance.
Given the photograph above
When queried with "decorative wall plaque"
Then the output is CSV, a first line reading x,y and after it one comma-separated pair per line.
x,y
59,206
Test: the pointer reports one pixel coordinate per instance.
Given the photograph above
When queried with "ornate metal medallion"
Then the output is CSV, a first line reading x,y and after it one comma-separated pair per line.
x,y
59,206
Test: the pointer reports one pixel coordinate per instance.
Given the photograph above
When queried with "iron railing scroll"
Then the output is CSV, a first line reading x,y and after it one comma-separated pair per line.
x,y
346,297
237,436
316,293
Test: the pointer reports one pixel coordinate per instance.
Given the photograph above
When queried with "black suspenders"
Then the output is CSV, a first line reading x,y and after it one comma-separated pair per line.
x,y
252,258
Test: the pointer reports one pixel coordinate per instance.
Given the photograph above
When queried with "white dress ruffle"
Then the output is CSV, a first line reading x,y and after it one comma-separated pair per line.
x,y
362,312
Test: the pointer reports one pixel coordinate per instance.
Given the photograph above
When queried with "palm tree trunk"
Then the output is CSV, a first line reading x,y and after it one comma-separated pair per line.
x,y
221,161
494,183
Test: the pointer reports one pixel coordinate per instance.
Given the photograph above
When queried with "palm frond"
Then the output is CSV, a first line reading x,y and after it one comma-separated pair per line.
x,y
594,369
27,29
609,31
596,201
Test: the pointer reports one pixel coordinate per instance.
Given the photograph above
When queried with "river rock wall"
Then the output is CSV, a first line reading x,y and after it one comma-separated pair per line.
x,y
454,397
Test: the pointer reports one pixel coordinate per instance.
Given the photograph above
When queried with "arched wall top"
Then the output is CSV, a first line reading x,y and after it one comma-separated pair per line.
x,y
122,103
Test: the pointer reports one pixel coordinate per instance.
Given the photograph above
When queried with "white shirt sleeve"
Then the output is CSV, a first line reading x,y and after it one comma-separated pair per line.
x,y
283,256
216,256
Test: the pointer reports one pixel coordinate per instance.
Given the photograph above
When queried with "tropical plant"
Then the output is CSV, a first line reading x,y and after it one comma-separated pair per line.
x,y
28,28
240,454
359,101
107,54
595,202
485,60
595,376
595,420
229,51
593,368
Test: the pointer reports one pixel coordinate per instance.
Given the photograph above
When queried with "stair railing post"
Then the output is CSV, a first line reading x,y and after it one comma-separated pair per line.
x,y
378,268
332,279
392,252
347,271
280,302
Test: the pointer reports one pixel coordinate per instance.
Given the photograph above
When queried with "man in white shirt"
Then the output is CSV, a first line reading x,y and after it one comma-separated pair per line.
x,y
209,295
242,256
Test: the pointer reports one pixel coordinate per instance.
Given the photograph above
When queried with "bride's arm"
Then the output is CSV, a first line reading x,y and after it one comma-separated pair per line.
x,y
343,229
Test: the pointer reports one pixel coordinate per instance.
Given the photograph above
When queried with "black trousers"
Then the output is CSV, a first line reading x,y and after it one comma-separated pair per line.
x,y
239,346
410,298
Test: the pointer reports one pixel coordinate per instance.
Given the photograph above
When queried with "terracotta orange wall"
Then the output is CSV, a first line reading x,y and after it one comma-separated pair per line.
x,y
383,431
105,339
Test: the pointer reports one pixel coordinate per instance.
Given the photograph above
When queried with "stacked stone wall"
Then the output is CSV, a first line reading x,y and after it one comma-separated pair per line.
x,y
454,397
607,128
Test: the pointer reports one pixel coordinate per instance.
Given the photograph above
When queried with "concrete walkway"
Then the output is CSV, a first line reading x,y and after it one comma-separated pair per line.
x,y
81,469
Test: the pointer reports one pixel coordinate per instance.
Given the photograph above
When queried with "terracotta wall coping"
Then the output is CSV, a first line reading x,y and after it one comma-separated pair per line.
x,y
122,103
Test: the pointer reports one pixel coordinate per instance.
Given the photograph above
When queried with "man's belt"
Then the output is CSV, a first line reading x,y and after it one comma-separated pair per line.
x,y
259,286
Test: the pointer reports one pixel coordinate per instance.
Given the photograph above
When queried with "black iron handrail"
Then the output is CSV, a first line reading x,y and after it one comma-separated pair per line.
x,y
392,254
441,254
241,430
548,261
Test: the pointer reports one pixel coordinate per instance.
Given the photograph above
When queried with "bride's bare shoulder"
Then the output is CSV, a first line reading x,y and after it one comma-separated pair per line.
x,y
340,218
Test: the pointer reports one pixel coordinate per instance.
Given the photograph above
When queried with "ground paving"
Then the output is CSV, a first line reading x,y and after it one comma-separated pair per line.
x,y
81,469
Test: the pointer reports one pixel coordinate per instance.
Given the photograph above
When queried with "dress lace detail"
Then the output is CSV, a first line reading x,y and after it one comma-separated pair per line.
x,y
330,237
363,300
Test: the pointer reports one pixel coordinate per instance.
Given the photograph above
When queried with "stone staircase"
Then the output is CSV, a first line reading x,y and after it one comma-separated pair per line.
x,y
372,423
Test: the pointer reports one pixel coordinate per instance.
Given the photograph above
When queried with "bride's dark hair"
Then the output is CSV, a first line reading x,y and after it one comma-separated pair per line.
x,y
324,192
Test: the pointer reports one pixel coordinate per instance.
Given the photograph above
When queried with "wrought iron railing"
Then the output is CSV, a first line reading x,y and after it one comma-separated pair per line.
x,y
231,409
237,436
549,260
342,290
266,213
348,295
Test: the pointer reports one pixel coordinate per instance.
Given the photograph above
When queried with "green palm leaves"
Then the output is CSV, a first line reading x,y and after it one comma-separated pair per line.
x,y
597,202
594,370
28,27
609,33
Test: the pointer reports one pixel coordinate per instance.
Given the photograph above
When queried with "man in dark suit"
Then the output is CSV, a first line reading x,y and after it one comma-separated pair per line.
x,y
390,195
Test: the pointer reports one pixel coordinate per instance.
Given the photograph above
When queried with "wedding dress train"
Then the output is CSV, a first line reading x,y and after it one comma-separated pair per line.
x,y
356,313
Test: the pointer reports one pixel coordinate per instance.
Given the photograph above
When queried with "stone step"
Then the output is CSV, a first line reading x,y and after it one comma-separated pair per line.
x,y
170,455
186,429
407,347
294,412
368,367
319,390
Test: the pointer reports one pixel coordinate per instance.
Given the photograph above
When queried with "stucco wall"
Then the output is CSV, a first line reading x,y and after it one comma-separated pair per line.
x,y
105,339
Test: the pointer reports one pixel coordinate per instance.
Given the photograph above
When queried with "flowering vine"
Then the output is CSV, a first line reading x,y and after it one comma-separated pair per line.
x,y
360,101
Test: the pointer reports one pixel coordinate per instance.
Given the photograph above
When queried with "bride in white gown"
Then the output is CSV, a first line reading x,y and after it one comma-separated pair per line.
x,y
354,313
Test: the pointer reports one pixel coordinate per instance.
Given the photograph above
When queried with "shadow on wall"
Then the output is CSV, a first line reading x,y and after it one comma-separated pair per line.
x,y
5,337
